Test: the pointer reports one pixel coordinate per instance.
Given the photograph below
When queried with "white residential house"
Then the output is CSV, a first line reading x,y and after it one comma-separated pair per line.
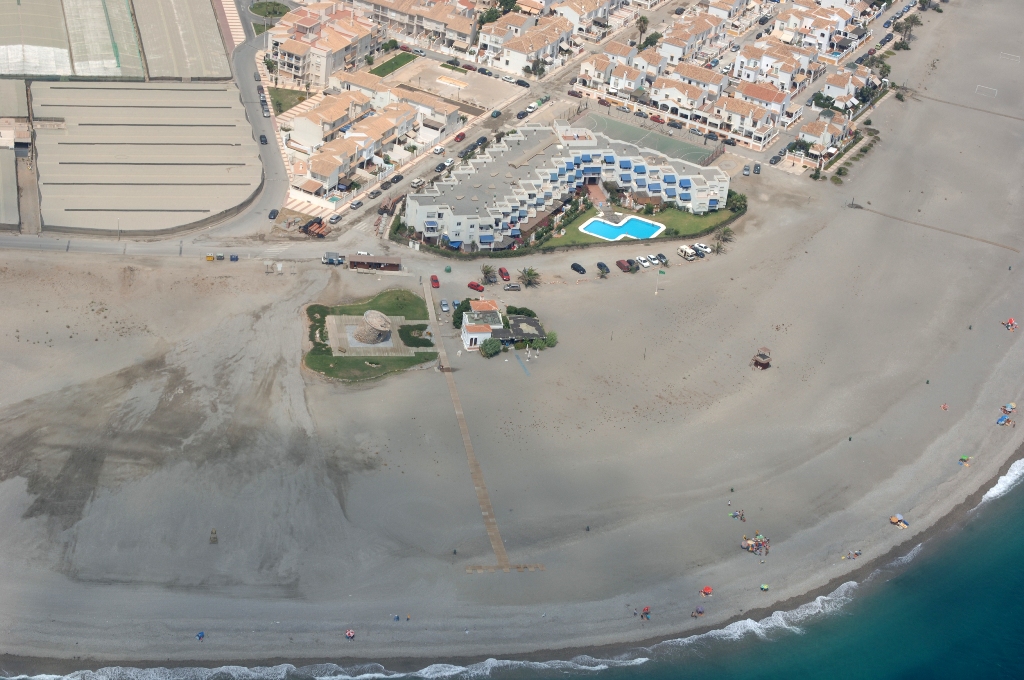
x,y
842,86
711,81
596,72
620,52
626,80
726,9
324,122
541,42
766,96
583,13
675,97
651,62
741,118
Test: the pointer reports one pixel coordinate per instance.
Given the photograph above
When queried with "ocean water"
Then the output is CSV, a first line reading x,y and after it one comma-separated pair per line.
x,y
952,607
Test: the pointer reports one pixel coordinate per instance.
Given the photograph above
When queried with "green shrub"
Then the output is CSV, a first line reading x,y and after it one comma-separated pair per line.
x,y
520,345
504,348
900,97
490,347
841,171
836,180
539,343
867,122
552,339
521,311
412,335
460,309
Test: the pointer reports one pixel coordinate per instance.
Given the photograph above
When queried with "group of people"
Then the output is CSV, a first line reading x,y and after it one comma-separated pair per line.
x,y
645,614
851,555
759,545
738,515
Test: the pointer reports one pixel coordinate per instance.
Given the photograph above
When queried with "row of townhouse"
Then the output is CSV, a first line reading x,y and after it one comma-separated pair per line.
x,y
312,42
450,21
831,29
694,35
789,68
516,41
488,202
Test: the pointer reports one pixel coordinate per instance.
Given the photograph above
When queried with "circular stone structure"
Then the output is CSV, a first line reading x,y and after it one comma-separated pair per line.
x,y
374,328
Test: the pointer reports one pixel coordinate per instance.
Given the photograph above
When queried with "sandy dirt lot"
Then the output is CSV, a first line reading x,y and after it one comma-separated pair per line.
x,y
482,91
144,402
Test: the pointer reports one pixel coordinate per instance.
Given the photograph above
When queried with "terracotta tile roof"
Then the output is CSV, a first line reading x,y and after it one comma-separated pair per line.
x,y
698,74
618,49
764,93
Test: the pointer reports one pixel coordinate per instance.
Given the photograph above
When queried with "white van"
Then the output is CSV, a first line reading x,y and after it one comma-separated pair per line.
x,y
687,253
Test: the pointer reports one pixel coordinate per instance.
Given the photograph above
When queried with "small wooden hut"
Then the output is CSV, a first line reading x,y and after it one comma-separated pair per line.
x,y
763,358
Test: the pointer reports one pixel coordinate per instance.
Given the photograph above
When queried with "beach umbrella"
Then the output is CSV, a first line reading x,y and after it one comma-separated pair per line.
x,y
700,610
899,517
350,634
764,586
707,590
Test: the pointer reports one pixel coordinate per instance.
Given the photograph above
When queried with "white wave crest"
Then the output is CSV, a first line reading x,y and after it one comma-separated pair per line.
x,y
908,558
1004,484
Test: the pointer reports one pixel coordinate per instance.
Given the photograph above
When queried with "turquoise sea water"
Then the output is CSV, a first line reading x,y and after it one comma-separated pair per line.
x,y
634,227
952,608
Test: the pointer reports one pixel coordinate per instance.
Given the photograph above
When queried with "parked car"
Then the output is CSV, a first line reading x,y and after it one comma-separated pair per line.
x,y
449,162
521,115
459,137
419,52
335,218
508,79
687,253
503,273
640,114
653,259
256,76
622,265
860,60
642,261
872,51
601,266
700,247
469,67
746,170
662,258
675,124
375,193
434,281
385,185
757,168
774,160
714,63
495,113
603,102
480,141
405,48
272,215
468,150
734,48
444,305
356,205
266,112
623,108
695,131
578,268
438,150
729,141
632,263
452,62
395,179
657,119
476,286
522,83
259,88
439,167
513,286
574,93
712,136
887,24
680,11
417,183
758,36
532,107
484,71
263,139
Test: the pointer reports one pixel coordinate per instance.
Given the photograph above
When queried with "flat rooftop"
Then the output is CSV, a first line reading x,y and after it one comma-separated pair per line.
x,y
9,215
157,156
181,40
34,38
13,99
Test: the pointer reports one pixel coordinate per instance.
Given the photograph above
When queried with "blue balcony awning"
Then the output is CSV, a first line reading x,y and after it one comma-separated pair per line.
x,y
626,178
486,238
654,186
625,165
547,194
641,182
579,174
685,183
569,165
640,169
591,171
684,196
586,157
670,179
540,200
522,212
554,177
455,244
713,202
515,232
430,223
670,191
609,159
561,171
576,160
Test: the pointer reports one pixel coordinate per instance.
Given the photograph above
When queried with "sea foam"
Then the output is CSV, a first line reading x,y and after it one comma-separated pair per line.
x,y
1004,484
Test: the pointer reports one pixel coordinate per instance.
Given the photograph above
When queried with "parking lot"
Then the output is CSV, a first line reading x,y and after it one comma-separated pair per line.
x,y
675,146
429,76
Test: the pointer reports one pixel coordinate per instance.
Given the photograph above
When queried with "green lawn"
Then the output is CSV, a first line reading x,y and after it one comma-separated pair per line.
x,y
357,368
412,335
393,64
260,28
268,9
394,302
285,99
677,223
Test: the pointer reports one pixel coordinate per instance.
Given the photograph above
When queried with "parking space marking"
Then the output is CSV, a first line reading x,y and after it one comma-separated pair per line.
x,y
986,91
1009,57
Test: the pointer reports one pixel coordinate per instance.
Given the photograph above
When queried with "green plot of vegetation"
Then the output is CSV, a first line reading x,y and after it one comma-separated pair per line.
x,y
268,9
412,335
677,223
394,302
393,64
363,368
260,28
285,99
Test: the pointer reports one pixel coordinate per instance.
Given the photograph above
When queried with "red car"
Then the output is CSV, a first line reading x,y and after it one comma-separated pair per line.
x,y
623,265
503,273
574,93
872,51
459,137
434,283
405,48
476,286
657,119
469,67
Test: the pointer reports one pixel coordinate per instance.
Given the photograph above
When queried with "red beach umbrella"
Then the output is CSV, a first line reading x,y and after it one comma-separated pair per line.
x,y
350,634
707,590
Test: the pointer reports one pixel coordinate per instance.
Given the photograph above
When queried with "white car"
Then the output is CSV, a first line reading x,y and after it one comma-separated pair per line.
x,y
643,261
508,79
655,260
444,306
438,150
417,183
531,108
449,162
702,248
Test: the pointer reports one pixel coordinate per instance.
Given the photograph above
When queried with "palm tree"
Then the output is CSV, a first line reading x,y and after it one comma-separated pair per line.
x,y
642,23
910,22
529,277
487,272
602,274
725,235
718,248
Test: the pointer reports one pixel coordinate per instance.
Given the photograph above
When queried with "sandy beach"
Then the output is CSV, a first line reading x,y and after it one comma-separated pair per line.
x,y
146,401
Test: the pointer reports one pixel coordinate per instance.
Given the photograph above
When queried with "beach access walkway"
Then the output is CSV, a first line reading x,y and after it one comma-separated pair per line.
x,y
475,472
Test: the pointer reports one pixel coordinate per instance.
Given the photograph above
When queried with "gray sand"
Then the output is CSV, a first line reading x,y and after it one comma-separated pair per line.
x,y
145,401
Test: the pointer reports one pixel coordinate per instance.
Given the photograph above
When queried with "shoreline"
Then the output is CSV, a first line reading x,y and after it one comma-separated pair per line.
x,y
14,666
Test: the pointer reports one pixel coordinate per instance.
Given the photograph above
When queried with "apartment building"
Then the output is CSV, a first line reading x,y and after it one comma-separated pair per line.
x,y
787,67
713,82
676,97
543,41
651,62
588,17
327,120
452,21
692,36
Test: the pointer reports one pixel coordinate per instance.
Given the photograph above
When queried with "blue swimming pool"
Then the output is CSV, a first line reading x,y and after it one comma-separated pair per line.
x,y
633,227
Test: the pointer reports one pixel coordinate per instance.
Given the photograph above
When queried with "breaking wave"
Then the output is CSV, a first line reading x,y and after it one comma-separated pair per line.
x,y
1004,484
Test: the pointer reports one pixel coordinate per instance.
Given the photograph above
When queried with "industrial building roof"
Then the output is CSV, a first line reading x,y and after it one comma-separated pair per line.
x,y
157,156
33,38
13,99
181,40
9,215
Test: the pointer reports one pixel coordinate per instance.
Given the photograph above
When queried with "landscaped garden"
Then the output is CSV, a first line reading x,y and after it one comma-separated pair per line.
x,y
393,64
268,9
282,99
